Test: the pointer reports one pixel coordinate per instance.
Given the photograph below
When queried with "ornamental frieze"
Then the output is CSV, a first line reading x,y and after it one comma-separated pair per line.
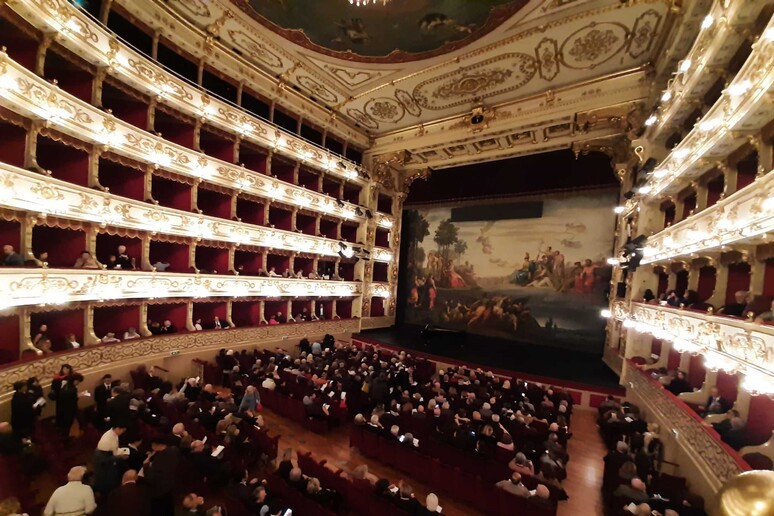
x,y
747,342
692,434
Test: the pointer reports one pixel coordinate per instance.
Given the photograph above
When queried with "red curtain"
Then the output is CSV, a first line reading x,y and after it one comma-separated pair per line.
x,y
760,420
681,285
245,313
768,278
9,339
706,282
377,307
344,308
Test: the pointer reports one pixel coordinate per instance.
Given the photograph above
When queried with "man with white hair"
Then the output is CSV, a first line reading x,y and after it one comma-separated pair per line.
x,y
634,492
73,498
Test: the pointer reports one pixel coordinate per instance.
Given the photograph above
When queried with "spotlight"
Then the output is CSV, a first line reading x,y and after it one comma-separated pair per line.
x,y
628,195
341,165
340,203
369,214
342,245
358,211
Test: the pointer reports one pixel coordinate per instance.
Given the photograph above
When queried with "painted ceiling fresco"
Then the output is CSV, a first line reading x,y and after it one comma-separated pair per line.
x,y
402,28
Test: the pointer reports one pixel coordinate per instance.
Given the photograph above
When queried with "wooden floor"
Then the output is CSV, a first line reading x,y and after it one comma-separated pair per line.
x,y
584,471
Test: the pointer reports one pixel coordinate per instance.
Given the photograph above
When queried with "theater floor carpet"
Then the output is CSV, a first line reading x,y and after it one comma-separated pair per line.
x,y
562,364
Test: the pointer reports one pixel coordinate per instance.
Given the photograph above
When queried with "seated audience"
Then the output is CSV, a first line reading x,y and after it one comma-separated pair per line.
x,y
634,491
715,404
766,317
87,261
514,486
736,308
131,333
11,258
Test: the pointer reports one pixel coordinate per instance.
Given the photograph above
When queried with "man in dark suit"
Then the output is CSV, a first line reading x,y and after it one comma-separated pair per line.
x,y
613,462
131,499
136,457
160,471
101,396
715,404
117,408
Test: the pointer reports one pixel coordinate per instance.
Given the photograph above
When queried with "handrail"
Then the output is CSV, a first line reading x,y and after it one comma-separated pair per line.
x,y
711,432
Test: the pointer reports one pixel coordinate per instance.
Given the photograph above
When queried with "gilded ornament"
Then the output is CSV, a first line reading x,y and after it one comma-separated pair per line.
x,y
385,109
317,89
255,50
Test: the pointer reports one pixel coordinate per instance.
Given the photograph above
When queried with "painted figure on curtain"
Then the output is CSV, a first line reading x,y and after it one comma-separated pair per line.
x,y
541,280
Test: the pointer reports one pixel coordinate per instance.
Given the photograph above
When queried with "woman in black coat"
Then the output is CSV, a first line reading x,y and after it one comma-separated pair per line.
x,y
22,411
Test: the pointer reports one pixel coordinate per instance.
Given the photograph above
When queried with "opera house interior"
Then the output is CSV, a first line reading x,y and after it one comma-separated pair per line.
x,y
387,257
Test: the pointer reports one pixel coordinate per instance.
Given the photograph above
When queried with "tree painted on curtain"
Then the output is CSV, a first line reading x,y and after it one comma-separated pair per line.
x,y
533,280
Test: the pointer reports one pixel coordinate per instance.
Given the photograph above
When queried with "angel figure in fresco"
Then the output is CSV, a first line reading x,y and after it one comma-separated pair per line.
x,y
354,30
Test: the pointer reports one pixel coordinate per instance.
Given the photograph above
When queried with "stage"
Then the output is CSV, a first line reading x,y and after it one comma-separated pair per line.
x,y
561,364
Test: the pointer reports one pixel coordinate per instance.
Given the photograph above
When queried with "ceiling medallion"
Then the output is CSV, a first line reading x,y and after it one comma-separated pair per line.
x,y
363,3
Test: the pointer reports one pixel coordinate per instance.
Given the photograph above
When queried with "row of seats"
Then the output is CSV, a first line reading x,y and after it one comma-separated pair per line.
x,y
459,483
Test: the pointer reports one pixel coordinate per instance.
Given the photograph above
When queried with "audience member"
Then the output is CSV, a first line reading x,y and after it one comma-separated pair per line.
x,y
514,486
11,257
72,499
87,261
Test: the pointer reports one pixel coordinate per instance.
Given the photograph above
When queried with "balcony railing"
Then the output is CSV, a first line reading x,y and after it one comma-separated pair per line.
x,y
89,39
28,287
745,216
32,192
29,95
727,343
700,444
720,36
744,107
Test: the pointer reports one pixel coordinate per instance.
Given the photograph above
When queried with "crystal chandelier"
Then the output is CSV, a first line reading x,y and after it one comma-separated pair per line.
x,y
363,3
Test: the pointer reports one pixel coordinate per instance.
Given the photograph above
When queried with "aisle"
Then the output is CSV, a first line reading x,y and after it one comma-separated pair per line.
x,y
584,471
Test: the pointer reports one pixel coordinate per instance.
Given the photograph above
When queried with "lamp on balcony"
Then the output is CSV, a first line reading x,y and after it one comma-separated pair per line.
x,y
748,494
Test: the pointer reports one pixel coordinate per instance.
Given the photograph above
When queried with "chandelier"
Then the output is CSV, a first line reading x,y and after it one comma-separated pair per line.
x,y
363,3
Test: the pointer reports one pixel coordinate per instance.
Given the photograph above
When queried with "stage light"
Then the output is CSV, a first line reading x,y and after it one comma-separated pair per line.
x,y
605,313
340,203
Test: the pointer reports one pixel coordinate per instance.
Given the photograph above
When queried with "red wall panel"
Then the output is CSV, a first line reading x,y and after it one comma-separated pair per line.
x,y
696,371
707,280
738,279
60,324
760,421
9,339
116,319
